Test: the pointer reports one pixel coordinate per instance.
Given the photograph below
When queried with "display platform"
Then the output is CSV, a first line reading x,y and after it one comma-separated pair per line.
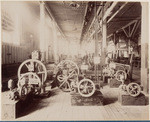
x,y
95,100
113,83
125,99
12,109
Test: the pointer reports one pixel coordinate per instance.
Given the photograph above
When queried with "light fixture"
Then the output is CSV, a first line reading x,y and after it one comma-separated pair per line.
x,y
74,4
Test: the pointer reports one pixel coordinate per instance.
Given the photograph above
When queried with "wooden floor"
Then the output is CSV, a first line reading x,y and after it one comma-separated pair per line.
x,y
58,107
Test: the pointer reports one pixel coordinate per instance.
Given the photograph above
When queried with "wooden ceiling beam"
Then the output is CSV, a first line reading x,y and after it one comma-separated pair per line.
x,y
138,23
133,29
108,11
106,14
84,19
130,23
127,25
98,10
117,12
52,17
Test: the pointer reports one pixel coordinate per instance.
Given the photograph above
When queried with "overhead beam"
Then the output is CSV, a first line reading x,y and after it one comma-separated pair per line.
x,y
108,11
86,8
99,8
125,32
109,35
117,12
51,15
131,22
138,23
106,14
133,29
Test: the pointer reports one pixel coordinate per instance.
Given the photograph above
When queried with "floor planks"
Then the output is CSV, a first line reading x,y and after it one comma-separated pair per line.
x,y
58,107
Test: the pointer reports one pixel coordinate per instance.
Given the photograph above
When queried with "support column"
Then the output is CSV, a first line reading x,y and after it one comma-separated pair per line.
x,y
42,38
104,37
129,45
96,38
55,43
144,46
42,30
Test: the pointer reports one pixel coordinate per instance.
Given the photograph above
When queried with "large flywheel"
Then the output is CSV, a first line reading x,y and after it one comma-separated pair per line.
x,y
66,79
67,64
67,75
35,66
31,81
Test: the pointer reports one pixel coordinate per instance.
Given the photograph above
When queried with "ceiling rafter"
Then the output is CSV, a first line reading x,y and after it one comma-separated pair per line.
x,y
51,15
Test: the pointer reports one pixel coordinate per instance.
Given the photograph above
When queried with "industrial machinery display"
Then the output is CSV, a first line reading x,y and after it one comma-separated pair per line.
x,y
114,71
86,87
69,79
32,75
67,75
119,72
133,89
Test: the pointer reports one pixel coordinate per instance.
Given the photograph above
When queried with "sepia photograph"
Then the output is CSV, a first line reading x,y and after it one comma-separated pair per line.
x,y
74,60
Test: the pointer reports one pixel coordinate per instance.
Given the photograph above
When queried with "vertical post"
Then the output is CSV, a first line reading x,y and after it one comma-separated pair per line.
x,y
104,36
129,45
96,45
55,42
113,54
42,30
42,36
144,46
96,29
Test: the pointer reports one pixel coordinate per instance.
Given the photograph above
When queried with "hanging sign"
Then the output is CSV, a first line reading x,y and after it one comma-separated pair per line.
x,y
96,60
84,67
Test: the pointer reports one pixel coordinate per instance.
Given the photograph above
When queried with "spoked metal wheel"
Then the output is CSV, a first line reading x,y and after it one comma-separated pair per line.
x,y
133,89
67,80
67,64
86,88
121,75
35,66
31,80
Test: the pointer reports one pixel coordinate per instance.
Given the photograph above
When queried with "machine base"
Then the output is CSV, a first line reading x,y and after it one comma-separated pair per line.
x,y
113,83
12,109
95,100
125,99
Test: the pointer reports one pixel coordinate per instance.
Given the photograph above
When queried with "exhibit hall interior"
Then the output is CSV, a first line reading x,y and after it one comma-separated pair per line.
x,y
74,60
